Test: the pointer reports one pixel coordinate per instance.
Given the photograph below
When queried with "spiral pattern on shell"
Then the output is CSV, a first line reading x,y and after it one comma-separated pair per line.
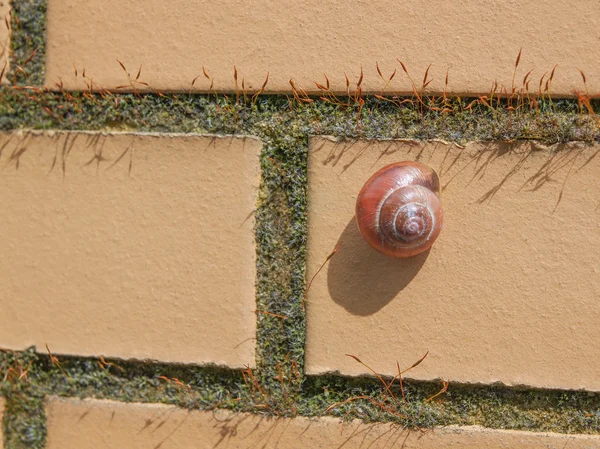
x,y
398,210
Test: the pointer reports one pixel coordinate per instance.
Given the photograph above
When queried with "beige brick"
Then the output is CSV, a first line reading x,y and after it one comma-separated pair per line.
x,y
4,36
1,420
477,41
129,245
509,291
82,424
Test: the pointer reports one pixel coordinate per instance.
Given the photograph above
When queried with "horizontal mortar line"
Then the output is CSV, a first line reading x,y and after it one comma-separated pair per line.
x,y
466,97
207,368
497,386
134,363
328,135
312,94
54,131
312,416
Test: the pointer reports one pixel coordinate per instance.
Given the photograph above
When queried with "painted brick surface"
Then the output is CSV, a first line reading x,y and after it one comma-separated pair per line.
x,y
129,245
476,41
86,424
509,291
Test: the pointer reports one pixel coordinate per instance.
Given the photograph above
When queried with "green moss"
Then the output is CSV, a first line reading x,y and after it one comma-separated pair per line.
x,y
210,387
28,41
277,386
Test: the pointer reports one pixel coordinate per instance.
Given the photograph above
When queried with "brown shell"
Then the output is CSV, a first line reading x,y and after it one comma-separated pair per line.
x,y
398,210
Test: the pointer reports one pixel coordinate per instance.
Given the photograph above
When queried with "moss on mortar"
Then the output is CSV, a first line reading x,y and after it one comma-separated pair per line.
x,y
28,23
277,386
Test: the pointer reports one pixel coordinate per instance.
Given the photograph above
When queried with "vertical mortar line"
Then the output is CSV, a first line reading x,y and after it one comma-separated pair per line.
x,y
28,36
281,243
24,420
3,424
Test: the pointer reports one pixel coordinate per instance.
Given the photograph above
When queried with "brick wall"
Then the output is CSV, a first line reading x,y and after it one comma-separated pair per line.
x,y
181,264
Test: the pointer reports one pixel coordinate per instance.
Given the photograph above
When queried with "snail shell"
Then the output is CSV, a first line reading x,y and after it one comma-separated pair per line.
x,y
398,210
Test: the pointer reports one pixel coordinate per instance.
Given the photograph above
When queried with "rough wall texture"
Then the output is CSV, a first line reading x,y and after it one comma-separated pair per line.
x,y
507,293
476,41
76,424
112,246
128,245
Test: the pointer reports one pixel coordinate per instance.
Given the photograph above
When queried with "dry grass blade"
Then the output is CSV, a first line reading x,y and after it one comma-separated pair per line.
x,y
401,382
417,363
31,56
403,66
375,402
264,312
425,83
514,75
381,97
542,82
527,76
103,364
265,83
445,384
389,402
385,384
16,371
392,75
337,404
518,58
261,90
552,73
587,93
55,361
300,94
335,250
123,66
